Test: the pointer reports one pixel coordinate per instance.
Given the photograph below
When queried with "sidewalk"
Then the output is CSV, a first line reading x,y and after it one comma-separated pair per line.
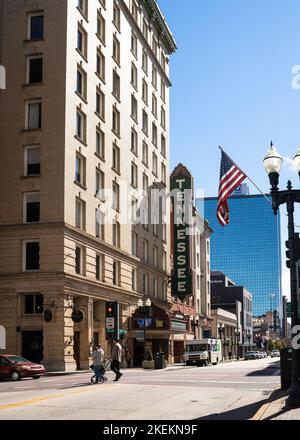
x,y
274,408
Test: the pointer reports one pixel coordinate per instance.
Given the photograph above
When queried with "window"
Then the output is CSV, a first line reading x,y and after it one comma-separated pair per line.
x,y
81,125
155,287
116,158
33,304
134,243
100,67
134,44
36,27
80,169
163,174
79,213
100,104
198,282
164,232
101,27
116,50
154,164
116,196
198,260
34,115
116,273
134,141
164,260
145,182
79,260
82,41
134,80
83,7
134,208
134,10
145,284
145,123
154,46
35,70
155,226
145,92
100,143
154,77
145,29
163,118
134,108
154,105
155,254
116,85
81,86
31,207
134,175
116,234
100,267
100,222
154,134
32,256
100,184
116,121
116,16
163,91
145,154
134,277
163,61
145,62
32,161
164,289
163,145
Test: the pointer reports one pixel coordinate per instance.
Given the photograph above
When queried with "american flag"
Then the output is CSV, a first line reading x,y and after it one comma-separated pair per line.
x,y
230,178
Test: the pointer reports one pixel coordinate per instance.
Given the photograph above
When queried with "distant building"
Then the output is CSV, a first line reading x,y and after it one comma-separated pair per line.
x,y
248,249
241,190
227,295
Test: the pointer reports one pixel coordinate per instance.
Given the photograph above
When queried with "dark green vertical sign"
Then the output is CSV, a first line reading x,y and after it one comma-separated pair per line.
x,y
181,193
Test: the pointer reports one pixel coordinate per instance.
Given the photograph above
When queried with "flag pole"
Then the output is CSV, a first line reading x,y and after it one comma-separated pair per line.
x,y
247,177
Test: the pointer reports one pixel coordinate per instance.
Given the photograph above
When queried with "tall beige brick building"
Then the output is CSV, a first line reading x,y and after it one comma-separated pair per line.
x,y
86,108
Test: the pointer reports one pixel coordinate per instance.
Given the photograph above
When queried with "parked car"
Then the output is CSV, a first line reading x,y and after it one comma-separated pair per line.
x,y
264,354
16,367
275,353
251,355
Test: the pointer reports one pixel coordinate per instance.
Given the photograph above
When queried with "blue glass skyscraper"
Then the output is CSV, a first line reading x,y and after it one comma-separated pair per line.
x,y
248,250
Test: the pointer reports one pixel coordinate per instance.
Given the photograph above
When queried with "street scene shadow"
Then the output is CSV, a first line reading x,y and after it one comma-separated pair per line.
x,y
240,413
266,371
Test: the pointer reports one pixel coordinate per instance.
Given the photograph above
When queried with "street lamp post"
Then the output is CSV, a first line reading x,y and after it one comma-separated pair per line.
x,y
237,335
221,330
272,164
145,311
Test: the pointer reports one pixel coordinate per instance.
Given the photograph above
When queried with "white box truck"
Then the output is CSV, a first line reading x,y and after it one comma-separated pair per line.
x,y
203,352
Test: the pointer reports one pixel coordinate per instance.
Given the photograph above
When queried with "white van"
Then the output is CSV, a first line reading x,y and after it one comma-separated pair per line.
x,y
203,352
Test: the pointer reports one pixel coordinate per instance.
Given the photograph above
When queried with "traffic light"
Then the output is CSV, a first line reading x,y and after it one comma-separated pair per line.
x,y
289,246
112,320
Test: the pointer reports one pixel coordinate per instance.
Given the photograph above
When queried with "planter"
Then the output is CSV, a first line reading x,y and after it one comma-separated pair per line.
x,y
148,365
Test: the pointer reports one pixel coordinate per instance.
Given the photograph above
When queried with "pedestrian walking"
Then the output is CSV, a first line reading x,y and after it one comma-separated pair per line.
x,y
98,359
116,358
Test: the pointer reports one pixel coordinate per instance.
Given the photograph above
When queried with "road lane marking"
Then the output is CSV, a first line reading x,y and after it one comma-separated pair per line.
x,y
53,396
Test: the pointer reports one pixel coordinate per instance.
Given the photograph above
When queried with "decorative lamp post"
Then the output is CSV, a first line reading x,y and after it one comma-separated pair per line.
x,y
272,164
221,331
237,335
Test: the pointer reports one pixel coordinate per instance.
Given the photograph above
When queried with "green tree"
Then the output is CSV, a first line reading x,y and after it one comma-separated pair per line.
x,y
270,345
278,345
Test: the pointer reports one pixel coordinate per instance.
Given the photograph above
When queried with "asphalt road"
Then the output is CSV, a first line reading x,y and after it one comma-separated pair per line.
x,y
231,391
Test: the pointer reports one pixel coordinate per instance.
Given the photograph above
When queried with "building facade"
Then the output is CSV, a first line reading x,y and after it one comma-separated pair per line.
x,y
84,118
227,295
248,250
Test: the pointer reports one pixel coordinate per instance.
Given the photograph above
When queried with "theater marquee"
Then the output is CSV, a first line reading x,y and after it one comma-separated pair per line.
x,y
181,188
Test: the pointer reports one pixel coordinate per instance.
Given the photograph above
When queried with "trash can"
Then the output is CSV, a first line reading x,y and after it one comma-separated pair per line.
x,y
285,367
159,361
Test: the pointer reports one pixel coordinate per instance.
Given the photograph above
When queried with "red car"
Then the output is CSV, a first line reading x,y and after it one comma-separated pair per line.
x,y
16,367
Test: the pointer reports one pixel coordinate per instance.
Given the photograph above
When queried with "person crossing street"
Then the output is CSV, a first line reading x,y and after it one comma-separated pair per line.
x,y
98,359
116,358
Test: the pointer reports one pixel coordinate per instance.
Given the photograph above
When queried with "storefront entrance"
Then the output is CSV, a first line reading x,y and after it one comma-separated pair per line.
x,y
77,349
32,345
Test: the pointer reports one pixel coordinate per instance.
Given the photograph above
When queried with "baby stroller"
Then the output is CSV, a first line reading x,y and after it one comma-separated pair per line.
x,y
103,369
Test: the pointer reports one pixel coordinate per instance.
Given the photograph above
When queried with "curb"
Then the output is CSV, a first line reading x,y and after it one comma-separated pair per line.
x,y
262,410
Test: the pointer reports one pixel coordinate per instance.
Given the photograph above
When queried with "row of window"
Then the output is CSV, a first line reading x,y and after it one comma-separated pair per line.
x,y
145,251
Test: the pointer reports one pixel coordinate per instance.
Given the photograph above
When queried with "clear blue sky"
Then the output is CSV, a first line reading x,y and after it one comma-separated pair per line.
x,y
232,86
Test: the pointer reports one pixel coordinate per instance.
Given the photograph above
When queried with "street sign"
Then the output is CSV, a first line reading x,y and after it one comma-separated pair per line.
x,y
110,323
289,310
140,335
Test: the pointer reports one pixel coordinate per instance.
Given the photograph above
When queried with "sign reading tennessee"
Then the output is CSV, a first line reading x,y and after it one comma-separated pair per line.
x,y
181,187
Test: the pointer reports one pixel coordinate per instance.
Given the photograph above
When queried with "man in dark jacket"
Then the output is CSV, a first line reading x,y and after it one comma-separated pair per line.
x,y
116,358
